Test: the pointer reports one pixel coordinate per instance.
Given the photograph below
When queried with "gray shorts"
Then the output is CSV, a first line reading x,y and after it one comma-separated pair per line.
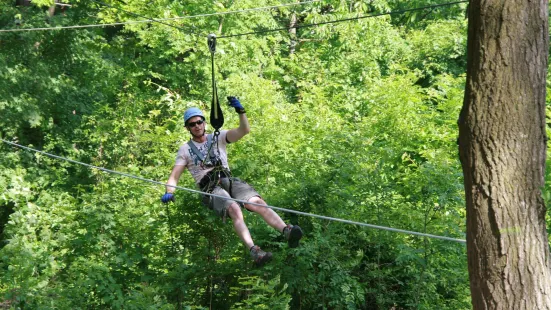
x,y
231,188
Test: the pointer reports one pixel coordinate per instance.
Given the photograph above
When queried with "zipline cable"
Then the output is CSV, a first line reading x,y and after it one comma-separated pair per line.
x,y
237,200
73,27
138,15
342,20
150,20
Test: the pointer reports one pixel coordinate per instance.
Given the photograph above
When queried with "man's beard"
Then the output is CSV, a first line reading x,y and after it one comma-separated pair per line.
x,y
197,136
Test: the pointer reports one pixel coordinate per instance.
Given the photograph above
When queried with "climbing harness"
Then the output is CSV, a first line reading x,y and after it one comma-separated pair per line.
x,y
210,160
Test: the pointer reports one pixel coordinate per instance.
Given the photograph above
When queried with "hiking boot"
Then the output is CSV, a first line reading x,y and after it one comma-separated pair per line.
x,y
292,234
260,257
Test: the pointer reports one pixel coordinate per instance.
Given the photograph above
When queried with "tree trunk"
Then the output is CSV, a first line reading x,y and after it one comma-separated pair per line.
x,y
502,147
293,33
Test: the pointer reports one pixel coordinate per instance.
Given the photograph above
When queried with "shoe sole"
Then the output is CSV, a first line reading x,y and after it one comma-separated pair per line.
x,y
294,237
264,260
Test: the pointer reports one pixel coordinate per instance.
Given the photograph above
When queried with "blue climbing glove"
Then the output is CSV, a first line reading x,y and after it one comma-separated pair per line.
x,y
234,102
168,197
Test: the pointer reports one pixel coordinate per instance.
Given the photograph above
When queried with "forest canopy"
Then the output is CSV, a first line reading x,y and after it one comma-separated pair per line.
x,y
355,120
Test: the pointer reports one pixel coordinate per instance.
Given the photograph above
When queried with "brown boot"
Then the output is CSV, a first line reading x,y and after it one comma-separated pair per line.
x,y
260,257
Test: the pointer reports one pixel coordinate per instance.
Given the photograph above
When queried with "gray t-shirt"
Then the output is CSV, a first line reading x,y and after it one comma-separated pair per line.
x,y
186,157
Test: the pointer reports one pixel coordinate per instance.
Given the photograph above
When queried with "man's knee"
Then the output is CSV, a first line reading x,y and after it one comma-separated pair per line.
x,y
257,200
256,204
234,211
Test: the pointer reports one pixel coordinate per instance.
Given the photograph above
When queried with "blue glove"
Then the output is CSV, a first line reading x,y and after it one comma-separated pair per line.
x,y
234,102
167,197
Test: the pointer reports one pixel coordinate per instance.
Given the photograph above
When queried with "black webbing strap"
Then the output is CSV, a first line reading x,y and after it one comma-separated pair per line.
x,y
210,155
216,116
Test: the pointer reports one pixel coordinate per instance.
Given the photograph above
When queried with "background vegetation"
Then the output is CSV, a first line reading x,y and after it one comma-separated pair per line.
x,y
354,120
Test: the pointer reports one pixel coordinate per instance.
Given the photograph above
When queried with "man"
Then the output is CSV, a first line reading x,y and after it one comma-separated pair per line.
x,y
207,162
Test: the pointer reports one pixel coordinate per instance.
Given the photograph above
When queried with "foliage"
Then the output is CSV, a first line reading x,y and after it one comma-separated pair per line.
x,y
356,122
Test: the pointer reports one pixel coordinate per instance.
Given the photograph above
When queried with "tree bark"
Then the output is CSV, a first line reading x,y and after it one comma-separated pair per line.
x,y
502,147
293,33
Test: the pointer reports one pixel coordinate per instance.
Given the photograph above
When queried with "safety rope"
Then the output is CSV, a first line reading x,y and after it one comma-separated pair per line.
x,y
237,200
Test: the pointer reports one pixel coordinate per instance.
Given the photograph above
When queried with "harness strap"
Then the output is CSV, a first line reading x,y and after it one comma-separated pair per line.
x,y
195,150
216,116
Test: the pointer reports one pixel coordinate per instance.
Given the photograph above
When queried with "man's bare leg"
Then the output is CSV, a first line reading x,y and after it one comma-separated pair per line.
x,y
292,233
259,257
239,225
269,215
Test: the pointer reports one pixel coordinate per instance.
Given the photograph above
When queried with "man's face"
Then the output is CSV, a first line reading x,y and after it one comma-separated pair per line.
x,y
196,126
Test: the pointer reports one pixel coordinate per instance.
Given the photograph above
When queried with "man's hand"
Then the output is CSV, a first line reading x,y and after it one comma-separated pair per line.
x,y
168,197
234,102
